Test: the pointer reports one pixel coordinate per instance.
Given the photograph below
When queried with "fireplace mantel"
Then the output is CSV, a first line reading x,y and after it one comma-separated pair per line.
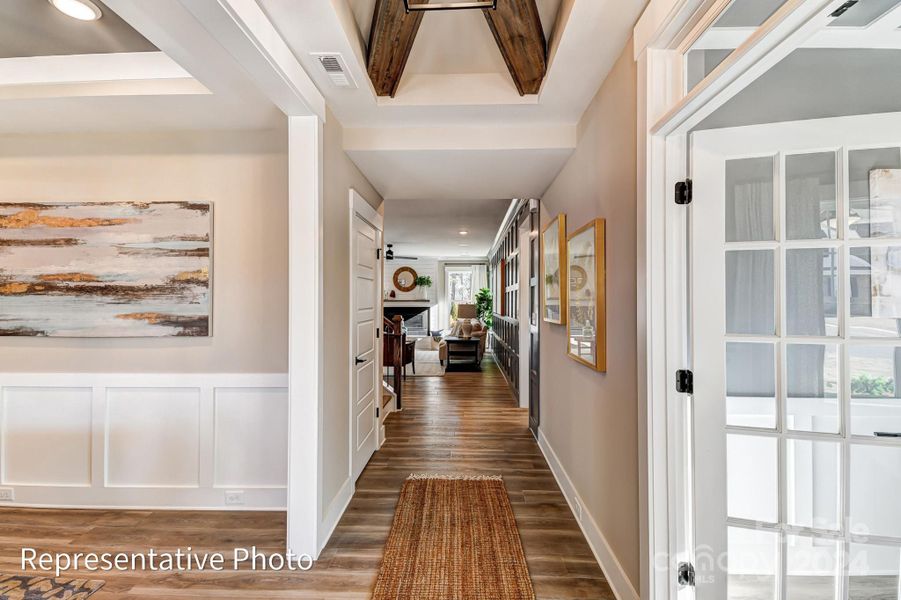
x,y
411,303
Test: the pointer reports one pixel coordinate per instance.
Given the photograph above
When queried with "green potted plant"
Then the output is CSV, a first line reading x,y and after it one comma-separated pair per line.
x,y
424,282
485,306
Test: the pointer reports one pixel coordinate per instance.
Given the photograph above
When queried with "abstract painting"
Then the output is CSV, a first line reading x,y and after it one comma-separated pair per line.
x,y
885,193
105,269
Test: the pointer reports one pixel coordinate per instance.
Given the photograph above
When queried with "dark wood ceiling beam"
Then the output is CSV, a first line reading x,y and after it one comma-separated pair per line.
x,y
516,26
390,41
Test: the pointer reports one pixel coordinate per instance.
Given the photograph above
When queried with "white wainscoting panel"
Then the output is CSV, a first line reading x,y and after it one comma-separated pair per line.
x,y
152,437
156,440
46,436
251,418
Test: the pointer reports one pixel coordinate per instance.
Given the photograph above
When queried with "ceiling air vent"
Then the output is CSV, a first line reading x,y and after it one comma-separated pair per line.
x,y
334,66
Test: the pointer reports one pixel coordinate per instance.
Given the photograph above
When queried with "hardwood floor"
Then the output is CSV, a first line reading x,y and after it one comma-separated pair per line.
x,y
463,422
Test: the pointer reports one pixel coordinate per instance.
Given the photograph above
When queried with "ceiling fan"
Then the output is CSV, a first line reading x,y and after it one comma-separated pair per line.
x,y
389,254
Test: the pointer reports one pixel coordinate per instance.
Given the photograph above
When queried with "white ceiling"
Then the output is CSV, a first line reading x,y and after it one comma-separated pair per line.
x,y
748,13
590,34
456,41
35,28
425,228
451,176
816,83
190,82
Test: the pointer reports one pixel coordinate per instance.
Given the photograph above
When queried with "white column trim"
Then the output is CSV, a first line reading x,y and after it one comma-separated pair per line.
x,y
305,368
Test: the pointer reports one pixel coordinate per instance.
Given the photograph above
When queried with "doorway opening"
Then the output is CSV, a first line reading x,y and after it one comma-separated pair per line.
x,y
790,429
436,290
515,262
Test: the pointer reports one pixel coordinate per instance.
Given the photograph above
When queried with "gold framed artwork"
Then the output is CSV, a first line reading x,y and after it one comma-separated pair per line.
x,y
553,269
586,312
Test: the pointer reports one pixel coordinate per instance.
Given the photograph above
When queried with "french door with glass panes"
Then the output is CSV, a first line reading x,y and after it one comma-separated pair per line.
x,y
796,352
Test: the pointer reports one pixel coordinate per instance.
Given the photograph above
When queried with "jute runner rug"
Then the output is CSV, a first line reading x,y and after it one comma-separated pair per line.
x,y
26,587
453,538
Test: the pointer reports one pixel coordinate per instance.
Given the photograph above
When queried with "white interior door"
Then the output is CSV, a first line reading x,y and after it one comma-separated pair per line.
x,y
366,320
796,353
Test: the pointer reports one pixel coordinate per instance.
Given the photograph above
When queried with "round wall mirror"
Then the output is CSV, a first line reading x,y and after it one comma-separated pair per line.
x,y
577,278
405,279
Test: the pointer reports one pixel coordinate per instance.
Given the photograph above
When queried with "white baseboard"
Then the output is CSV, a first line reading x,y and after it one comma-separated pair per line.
x,y
144,440
335,512
613,570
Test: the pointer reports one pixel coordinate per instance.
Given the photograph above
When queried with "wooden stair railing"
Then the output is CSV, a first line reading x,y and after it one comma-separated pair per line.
x,y
393,353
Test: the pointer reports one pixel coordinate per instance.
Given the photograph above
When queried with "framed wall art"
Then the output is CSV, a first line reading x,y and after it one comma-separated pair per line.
x,y
105,269
553,269
586,323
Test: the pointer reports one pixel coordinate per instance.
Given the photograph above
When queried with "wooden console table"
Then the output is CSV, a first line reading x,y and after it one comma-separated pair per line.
x,y
465,348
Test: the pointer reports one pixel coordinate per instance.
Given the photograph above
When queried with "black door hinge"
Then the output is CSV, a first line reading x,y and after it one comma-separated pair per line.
x,y
376,412
378,253
378,332
685,381
686,574
683,192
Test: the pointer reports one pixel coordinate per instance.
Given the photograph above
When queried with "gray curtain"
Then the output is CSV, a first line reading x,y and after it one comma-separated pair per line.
x,y
805,288
750,293
749,274
749,289
749,211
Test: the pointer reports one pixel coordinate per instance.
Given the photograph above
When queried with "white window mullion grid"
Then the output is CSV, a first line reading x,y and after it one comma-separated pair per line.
x,y
781,379
847,341
780,339
842,204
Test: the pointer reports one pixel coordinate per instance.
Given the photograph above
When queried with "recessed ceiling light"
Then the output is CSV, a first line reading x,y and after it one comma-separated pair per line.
x,y
464,232
83,10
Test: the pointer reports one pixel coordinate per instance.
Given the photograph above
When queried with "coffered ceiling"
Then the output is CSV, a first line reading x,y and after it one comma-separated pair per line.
x,y
457,127
145,65
35,28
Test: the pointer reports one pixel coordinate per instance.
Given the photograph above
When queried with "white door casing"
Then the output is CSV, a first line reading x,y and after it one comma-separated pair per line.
x,y
789,495
667,112
365,323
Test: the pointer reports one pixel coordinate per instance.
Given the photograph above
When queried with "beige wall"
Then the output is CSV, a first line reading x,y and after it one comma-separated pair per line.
x,y
591,419
340,175
243,173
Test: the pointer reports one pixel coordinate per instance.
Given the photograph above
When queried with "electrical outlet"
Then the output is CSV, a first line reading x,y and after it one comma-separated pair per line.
x,y
234,498
7,495
577,509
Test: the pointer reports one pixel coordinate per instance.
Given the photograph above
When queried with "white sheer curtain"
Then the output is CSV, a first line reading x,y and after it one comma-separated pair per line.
x,y
479,278
749,285
750,289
